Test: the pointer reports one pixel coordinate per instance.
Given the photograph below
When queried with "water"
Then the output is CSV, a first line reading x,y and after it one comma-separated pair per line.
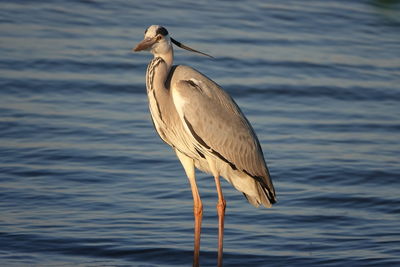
x,y
85,181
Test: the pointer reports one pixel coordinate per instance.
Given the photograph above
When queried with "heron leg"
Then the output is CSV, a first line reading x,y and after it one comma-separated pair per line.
x,y
198,215
221,205
188,165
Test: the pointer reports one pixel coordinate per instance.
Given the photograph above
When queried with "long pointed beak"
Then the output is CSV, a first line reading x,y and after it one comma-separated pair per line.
x,y
179,44
145,44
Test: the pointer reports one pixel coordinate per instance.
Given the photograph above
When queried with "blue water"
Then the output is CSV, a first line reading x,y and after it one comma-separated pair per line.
x,y
85,180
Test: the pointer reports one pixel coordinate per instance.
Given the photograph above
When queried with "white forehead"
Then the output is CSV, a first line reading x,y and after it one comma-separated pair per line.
x,y
151,31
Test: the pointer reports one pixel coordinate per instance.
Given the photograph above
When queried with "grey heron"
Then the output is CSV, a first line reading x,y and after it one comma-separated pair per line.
x,y
206,128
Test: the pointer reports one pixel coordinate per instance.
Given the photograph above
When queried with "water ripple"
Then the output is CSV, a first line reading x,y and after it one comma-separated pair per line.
x,y
86,181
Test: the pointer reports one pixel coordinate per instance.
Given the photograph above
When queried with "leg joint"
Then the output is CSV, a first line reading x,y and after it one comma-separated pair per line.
x,y
221,206
198,209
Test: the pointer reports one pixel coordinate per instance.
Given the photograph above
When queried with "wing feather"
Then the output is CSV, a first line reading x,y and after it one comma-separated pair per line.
x,y
214,120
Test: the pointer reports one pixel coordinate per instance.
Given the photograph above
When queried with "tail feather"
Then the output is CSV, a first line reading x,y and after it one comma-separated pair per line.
x,y
263,197
264,186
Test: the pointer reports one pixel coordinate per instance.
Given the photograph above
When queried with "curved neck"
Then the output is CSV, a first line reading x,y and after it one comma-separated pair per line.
x,y
158,70
168,57
157,73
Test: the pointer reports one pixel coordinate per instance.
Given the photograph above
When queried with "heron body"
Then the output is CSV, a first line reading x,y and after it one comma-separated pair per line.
x,y
205,127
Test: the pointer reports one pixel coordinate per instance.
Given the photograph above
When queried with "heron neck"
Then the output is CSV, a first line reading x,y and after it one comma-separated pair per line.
x,y
168,58
157,73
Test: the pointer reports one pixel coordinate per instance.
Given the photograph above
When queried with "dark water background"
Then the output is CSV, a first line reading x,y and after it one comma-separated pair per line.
x,y
85,181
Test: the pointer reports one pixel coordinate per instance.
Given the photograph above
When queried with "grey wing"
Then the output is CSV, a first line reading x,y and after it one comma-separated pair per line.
x,y
214,120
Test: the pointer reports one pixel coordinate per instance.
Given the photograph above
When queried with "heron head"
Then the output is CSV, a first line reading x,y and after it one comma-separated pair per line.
x,y
157,40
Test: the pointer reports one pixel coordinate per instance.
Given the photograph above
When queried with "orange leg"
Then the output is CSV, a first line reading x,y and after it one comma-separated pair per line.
x,y
188,165
198,215
221,205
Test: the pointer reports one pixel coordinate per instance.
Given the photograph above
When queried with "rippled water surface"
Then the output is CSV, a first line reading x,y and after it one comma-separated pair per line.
x,y
84,179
